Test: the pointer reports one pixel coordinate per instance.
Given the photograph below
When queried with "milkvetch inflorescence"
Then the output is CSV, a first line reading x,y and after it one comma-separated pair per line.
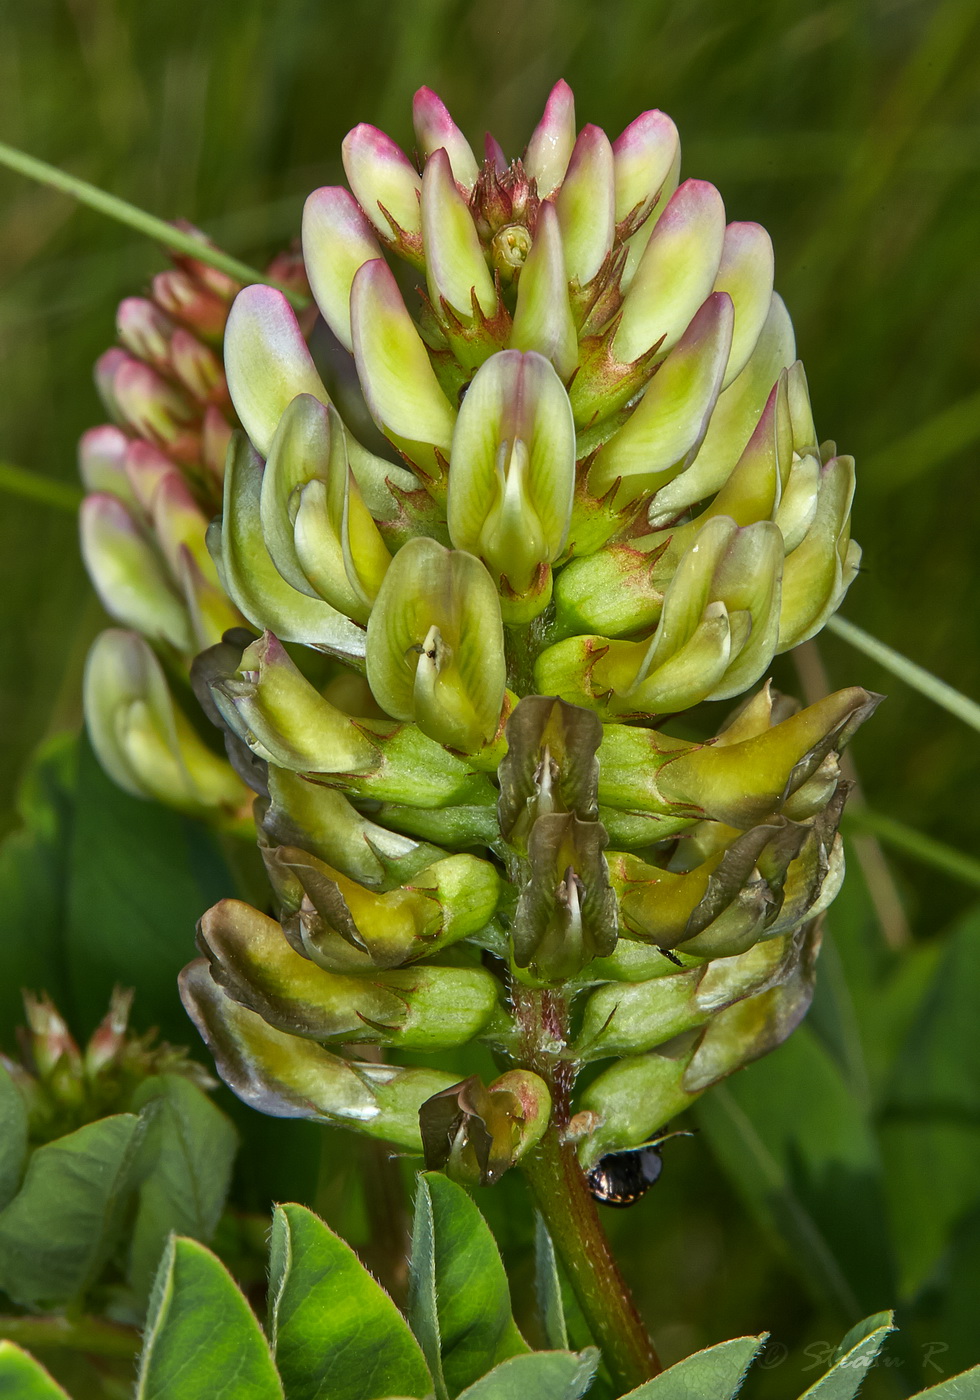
x,y
478,544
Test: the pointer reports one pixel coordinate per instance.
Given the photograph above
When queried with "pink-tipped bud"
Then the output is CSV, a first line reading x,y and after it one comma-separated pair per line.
x,y
109,1037
543,317
102,461
435,130
197,367
187,300
455,267
493,153
586,205
337,240
145,330
644,154
393,365
48,1037
267,362
128,574
746,274
676,272
385,183
550,147
155,409
146,466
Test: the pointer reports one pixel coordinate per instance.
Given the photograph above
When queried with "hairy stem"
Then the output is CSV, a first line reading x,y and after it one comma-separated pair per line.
x,y
562,1196
564,1200
129,214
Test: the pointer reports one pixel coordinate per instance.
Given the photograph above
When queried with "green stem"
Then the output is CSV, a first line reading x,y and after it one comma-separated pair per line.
x,y
123,212
18,481
908,671
563,1198
92,1335
914,843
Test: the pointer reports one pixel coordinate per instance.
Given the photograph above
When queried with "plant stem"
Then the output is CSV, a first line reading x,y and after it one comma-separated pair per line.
x,y
18,481
564,1200
914,675
92,1335
125,213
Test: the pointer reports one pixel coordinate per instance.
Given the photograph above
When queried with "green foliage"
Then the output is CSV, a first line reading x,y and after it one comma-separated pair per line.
x,y
460,1301
23,1378
314,1278
716,1372
13,1136
95,1206
334,1333
61,1227
97,888
202,1338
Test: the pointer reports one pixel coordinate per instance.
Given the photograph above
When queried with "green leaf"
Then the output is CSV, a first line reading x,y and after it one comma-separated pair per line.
x,y
202,1341
192,1145
100,888
813,1179
13,1137
335,1332
550,1304
963,1387
713,1374
476,1327
58,1231
930,1127
543,1375
33,875
23,1378
851,1360
423,1305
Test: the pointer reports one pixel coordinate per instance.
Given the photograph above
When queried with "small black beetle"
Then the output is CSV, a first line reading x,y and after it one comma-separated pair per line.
x,y
621,1178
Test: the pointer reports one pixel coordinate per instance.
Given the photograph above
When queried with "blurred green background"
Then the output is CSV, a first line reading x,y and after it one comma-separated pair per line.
x,y
852,131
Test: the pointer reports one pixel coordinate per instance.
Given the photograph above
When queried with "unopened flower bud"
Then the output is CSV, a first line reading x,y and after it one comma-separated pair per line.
x,y
643,156
455,267
398,380
337,241
128,573
586,205
267,362
289,1077
423,1008
668,425
435,130
476,1133
102,462
543,317
144,742
676,272
386,186
552,141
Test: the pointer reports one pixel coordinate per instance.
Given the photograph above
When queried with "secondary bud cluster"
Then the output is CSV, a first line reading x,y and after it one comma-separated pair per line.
x,y
65,1086
566,488
154,479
